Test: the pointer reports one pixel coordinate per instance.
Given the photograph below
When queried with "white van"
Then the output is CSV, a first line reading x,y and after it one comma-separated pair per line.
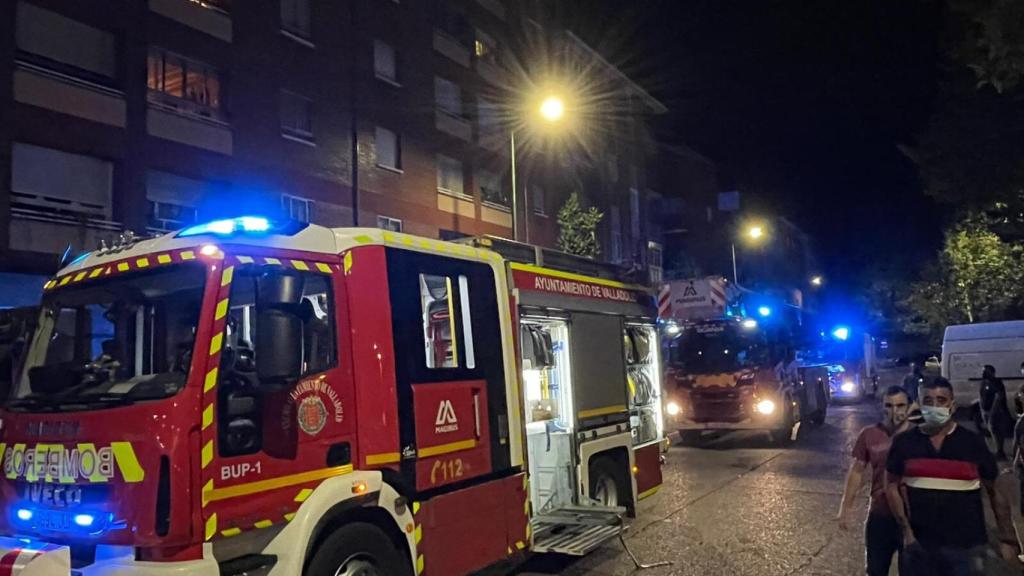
x,y
967,348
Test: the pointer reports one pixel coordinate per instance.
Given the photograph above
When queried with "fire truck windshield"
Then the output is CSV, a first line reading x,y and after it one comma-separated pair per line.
x,y
112,341
715,348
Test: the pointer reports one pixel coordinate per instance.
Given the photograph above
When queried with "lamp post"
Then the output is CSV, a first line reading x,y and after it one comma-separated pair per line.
x,y
551,110
754,233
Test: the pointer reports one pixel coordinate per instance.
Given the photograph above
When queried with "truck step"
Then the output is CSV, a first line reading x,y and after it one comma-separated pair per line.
x,y
575,530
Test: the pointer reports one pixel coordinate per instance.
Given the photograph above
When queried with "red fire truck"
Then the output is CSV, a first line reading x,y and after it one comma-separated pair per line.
x,y
724,374
253,397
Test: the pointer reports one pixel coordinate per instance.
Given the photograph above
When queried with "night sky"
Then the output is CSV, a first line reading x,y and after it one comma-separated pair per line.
x,y
801,104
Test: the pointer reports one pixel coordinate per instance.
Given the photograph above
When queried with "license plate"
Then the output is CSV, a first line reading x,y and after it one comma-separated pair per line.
x,y
53,520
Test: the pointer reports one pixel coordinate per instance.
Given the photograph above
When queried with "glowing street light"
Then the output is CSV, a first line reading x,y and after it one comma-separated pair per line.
x,y
755,232
817,281
552,108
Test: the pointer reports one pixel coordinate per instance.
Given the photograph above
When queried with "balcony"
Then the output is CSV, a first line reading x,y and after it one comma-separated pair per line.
x,y
496,214
209,16
450,47
170,124
46,232
456,204
453,125
52,90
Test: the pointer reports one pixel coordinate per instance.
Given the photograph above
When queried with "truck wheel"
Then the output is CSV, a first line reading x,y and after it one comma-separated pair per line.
x,y
606,484
783,435
819,417
690,437
358,550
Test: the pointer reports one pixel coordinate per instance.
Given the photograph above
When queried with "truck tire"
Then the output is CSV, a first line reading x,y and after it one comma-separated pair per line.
x,y
607,483
358,550
818,418
690,437
783,436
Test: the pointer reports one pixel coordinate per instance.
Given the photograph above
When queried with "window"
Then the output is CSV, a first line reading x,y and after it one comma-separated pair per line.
x,y
613,167
296,116
491,190
389,148
447,97
295,17
488,117
283,317
452,23
537,199
182,83
385,62
441,334
56,183
655,257
449,175
297,208
173,199
485,48
55,41
133,333
388,223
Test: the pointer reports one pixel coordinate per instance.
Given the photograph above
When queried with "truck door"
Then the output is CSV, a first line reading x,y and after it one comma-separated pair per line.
x,y
599,370
449,365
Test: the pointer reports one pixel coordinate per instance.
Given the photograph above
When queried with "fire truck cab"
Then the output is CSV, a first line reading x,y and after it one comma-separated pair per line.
x,y
254,397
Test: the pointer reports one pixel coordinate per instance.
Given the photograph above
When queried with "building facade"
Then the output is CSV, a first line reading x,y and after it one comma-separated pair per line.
x,y
148,115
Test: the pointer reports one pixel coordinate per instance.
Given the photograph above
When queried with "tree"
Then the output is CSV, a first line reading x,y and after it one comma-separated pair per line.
x,y
978,278
577,228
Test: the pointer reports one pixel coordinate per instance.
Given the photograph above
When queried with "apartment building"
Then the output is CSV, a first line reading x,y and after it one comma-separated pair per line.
x,y
148,115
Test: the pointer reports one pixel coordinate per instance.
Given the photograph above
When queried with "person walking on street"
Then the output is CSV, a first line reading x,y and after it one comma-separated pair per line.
x,y
934,477
882,535
912,381
995,412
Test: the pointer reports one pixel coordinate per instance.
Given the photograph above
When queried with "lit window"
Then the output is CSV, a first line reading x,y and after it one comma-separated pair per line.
x,y
448,97
297,208
389,148
184,84
388,223
295,17
449,175
485,48
296,116
385,62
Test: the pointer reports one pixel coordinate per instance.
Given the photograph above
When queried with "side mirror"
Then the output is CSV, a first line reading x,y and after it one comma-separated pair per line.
x,y
278,346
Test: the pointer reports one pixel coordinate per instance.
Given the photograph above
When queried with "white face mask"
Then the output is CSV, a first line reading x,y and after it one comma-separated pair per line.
x,y
935,417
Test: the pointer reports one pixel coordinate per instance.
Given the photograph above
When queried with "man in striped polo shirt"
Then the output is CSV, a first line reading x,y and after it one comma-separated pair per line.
x,y
934,478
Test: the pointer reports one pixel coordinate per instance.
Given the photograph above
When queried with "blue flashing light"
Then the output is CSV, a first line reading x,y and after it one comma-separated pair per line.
x,y
764,311
228,227
24,514
84,520
841,333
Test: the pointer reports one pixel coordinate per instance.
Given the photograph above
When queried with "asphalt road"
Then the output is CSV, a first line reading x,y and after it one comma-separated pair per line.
x,y
740,506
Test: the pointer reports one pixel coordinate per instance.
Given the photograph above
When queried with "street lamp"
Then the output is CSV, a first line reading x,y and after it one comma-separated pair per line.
x,y
754,233
817,281
552,110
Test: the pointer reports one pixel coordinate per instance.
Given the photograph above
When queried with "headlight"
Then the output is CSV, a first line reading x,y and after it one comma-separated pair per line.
x,y
765,407
672,408
848,387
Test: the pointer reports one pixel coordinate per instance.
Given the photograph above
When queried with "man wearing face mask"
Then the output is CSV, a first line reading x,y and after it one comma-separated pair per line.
x,y
882,536
935,474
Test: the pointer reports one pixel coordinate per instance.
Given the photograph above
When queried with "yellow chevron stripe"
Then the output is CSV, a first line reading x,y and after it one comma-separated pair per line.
x,y
300,265
188,255
142,262
227,276
207,455
164,259
231,532
222,309
211,380
211,526
207,416
216,342
325,268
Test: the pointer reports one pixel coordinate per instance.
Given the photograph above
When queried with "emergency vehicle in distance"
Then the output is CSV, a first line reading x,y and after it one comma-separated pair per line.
x,y
724,373
253,397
